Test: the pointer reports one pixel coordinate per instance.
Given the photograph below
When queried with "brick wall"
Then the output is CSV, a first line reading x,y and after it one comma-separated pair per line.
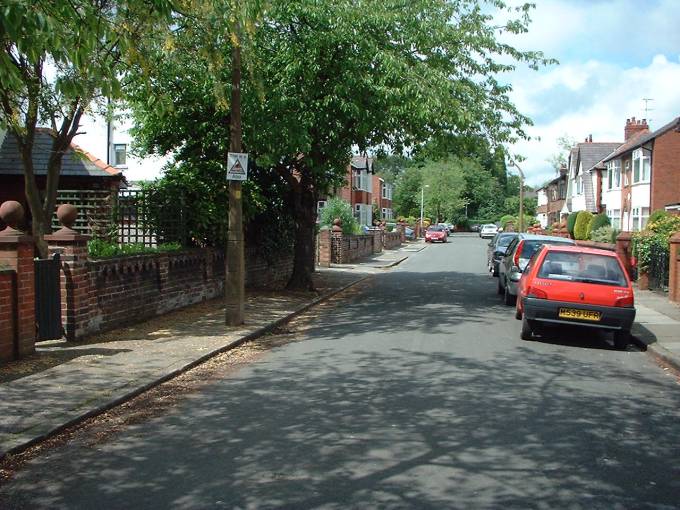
x,y
391,240
100,295
7,311
356,247
18,257
665,188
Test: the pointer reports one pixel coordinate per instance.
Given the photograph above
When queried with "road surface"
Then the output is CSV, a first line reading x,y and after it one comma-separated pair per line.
x,y
414,393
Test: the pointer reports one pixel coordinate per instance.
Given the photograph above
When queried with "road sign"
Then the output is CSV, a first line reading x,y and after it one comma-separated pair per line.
x,y
237,166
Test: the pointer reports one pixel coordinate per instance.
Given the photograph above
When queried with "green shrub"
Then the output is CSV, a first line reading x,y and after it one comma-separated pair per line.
x,y
582,224
571,223
599,221
657,215
338,208
508,218
656,235
605,234
101,249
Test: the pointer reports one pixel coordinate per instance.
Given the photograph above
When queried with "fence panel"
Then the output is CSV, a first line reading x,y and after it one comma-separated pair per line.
x,y
145,217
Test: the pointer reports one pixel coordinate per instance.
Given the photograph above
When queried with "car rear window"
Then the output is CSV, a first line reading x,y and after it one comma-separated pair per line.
x,y
582,267
505,241
531,246
436,228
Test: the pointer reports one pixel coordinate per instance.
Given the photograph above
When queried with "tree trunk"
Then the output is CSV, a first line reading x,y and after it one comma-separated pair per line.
x,y
304,206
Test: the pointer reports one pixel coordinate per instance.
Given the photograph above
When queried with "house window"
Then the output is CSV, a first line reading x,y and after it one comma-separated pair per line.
x,y
616,177
364,214
579,185
615,218
640,217
387,191
119,154
641,166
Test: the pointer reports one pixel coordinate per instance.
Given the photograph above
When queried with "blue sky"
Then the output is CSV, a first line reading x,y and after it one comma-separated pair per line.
x,y
612,53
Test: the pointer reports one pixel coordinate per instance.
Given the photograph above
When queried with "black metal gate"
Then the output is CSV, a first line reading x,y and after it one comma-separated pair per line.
x,y
657,271
48,298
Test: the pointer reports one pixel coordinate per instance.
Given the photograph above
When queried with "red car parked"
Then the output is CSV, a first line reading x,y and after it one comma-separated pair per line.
x,y
576,285
436,233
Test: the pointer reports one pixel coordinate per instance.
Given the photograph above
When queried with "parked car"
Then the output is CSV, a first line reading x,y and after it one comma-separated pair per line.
x,y
410,233
496,250
436,233
487,231
516,257
475,227
448,226
576,285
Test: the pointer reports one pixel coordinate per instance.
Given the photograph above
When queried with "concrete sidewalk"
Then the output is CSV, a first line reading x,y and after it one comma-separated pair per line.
x,y
64,383
385,260
657,326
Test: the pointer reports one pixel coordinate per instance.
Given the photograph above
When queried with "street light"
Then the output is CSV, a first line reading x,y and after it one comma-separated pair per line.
x,y
422,206
521,194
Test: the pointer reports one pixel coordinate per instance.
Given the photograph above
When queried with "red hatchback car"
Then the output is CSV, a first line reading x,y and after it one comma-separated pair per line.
x,y
436,233
577,286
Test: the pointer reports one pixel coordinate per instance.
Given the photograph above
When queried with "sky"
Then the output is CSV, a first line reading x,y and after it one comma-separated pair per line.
x,y
612,54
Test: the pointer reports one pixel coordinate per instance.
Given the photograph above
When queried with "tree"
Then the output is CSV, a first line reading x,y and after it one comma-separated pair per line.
x,y
406,199
444,184
323,77
559,159
57,59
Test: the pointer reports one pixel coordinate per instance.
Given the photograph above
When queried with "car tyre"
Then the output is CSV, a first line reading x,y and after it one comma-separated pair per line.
x,y
518,314
495,269
621,340
527,332
499,288
508,298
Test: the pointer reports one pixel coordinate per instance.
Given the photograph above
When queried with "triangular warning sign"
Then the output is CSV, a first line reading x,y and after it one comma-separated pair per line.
x,y
237,168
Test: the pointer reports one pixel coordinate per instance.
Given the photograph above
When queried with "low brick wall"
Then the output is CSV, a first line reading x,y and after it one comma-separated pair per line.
x,y
116,292
599,246
7,311
391,240
356,247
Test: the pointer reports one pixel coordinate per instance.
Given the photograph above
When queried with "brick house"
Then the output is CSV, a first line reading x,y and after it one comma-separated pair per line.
x,y
584,176
382,197
358,189
83,176
643,174
551,199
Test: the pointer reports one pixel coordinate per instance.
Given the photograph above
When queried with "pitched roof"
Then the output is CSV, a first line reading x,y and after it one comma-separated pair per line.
x,y
641,138
362,163
591,153
75,163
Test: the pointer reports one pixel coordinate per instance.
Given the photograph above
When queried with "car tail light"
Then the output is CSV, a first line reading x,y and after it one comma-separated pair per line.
x,y
537,293
625,302
518,252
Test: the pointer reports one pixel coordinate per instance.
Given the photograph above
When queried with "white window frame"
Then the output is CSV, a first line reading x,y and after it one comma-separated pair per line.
x,y
616,174
115,152
644,166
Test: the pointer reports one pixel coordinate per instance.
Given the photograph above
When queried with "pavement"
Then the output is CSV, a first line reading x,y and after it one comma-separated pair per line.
x,y
65,383
657,326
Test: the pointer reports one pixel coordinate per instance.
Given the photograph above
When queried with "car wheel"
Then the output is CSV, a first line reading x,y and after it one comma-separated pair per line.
x,y
527,332
499,289
508,298
518,314
495,270
621,340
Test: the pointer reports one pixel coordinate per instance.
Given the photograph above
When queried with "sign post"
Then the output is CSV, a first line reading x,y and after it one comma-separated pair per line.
x,y
237,172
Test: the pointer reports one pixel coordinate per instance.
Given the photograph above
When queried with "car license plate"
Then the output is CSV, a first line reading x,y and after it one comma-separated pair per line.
x,y
573,313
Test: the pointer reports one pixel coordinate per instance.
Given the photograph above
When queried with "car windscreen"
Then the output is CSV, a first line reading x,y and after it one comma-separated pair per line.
x,y
436,228
582,267
531,246
504,241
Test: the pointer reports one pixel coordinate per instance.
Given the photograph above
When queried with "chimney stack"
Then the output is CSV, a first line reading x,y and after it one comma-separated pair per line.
x,y
634,126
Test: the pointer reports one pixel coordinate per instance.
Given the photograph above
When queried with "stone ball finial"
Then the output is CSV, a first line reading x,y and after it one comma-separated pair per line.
x,y
12,213
67,214
337,225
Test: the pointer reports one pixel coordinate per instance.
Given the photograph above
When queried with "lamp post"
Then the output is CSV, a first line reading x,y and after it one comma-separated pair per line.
x,y
422,205
521,195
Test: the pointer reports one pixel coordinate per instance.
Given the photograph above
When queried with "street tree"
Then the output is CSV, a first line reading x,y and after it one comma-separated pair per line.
x,y
444,185
57,60
406,199
324,77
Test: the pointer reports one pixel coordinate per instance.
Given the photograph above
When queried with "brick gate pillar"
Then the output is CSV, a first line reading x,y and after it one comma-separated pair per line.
x,y
674,268
16,255
325,247
338,254
623,250
76,297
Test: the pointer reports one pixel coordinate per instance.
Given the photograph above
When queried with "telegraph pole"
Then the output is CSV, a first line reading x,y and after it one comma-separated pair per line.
x,y
521,195
234,289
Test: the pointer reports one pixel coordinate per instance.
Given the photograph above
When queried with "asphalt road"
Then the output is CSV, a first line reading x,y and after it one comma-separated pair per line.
x,y
416,393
